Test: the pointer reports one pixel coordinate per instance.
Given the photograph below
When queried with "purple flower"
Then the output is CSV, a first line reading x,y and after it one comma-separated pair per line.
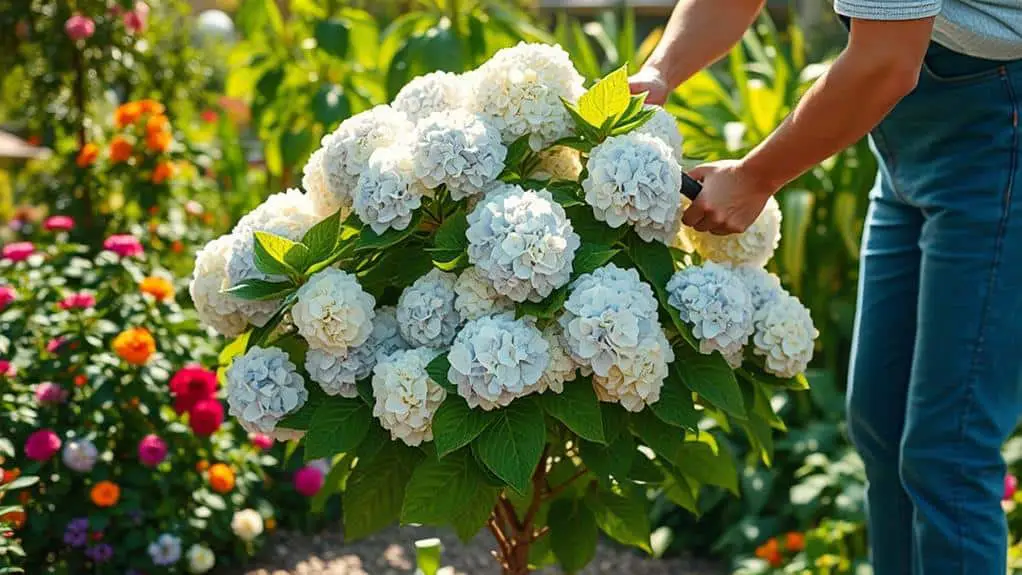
x,y
100,553
75,539
78,524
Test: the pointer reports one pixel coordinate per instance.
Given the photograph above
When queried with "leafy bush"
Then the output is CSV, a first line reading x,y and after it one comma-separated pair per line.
x,y
12,517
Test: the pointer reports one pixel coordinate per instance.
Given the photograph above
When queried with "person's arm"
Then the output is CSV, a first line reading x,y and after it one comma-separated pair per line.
x,y
698,33
878,68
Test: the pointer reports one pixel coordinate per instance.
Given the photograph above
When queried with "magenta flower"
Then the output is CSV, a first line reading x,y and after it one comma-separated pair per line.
x,y
59,223
135,20
308,480
1010,487
7,295
152,450
49,393
18,251
41,445
79,27
124,245
7,368
54,344
80,300
261,441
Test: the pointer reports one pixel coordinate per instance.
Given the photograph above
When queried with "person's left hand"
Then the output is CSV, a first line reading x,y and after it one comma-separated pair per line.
x,y
730,201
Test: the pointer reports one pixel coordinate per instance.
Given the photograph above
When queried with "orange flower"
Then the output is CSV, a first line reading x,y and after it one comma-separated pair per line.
x,y
162,172
156,124
177,247
770,552
221,478
270,524
202,466
159,288
158,141
105,494
127,114
80,380
15,518
149,106
120,149
135,345
794,542
87,155
10,475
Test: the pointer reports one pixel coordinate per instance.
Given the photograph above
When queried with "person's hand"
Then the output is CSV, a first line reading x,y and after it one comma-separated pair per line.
x,y
650,80
732,198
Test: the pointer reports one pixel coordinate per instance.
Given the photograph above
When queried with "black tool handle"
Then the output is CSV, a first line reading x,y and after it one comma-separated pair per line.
x,y
690,188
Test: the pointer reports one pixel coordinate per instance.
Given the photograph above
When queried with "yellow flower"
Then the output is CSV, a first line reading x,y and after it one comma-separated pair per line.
x,y
105,494
135,345
159,288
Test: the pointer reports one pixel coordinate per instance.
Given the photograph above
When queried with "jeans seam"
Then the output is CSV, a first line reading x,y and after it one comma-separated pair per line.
x,y
888,158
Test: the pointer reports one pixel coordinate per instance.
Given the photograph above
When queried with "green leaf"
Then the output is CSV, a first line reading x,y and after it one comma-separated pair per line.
x,y
331,106
455,425
259,334
573,534
577,408
376,489
301,419
666,441
270,251
338,426
605,100
549,308
512,445
323,237
698,460
624,519
333,483
438,369
680,492
370,240
615,420
614,460
473,515
517,153
438,489
592,230
332,37
434,49
590,257
711,377
633,123
675,406
449,242
566,193
261,290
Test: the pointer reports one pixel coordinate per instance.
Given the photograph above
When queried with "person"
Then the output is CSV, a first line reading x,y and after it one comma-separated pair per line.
x,y
934,386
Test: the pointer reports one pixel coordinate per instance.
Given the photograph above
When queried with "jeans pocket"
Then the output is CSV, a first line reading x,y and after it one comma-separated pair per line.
x,y
961,69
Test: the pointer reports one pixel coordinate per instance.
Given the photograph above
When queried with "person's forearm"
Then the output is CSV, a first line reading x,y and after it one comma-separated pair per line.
x,y
699,33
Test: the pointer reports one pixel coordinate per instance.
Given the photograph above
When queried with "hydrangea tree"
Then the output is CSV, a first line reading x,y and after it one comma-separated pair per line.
x,y
540,356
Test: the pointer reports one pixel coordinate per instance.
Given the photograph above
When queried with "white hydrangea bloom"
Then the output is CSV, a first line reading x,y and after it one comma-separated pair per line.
x,y
347,149
519,91
247,524
324,200
425,310
475,296
262,387
561,367
200,559
291,209
387,192
495,359
714,300
754,247
522,241
763,286
166,550
636,378
79,455
663,126
458,149
634,178
406,397
216,310
337,374
558,163
784,336
332,312
429,93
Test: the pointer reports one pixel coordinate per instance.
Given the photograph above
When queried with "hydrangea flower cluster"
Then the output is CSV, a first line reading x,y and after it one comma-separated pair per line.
x,y
558,163
324,202
763,286
337,375
387,191
753,247
405,397
561,368
347,149
522,242
458,149
609,320
430,93
495,359
217,310
425,310
784,336
635,179
662,125
475,296
714,300
263,386
332,312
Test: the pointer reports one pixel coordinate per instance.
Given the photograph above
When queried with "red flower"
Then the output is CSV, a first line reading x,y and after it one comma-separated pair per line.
x,y
190,385
206,416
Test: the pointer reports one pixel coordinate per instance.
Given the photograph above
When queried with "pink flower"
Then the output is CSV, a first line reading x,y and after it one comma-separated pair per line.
x,y
18,251
79,27
1010,487
308,480
7,295
80,300
54,344
206,416
49,393
261,441
7,368
124,245
41,445
152,450
59,223
190,385
135,20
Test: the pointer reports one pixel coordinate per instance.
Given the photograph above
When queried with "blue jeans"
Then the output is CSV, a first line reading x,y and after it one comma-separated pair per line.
x,y
934,386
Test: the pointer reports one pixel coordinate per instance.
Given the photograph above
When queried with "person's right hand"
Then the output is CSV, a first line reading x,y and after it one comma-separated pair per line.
x,y
649,79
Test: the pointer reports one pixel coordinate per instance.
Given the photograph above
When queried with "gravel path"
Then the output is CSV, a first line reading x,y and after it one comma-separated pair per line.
x,y
391,552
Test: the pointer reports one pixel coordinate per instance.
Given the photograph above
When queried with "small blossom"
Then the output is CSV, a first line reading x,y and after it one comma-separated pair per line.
x,y
80,300
263,386
166,550
387,192
76,533
221,478
206,417
663,126
217,310
425,310
124,245
152,450
135,20
1010,487
429,93
18,251
191,384
105,494
158,287
121,149
714,300
135,345
558,163
260,441
100,553
247,524
79,27
87,155
784,336
475,296
457,149
200,559
54,345
7,296
162,172
753,247
337,375
41,445
7,369
405,396
49,393
79,455
59,223
308,480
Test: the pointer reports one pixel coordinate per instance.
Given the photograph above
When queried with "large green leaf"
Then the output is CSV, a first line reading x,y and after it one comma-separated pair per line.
x,y
624,519
591,256
613,460
712,378
323,237
513,443
682,493
475,511
376,490
338,426
331,105
370,240
697,460
438,489
573,534
449,242
261,290
578,408
455,425
606,99
332,37
675,405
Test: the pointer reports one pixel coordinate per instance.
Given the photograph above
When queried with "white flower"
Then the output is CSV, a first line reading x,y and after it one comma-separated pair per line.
x,y
324,200
634,178
458,149
291,210
561,367
337,375
734,136
784,336
347,150
79,455
714,300
637,376
663,126
216,310
425,310
278,434
406,397
475,296
166,550
332,312
387,192
763,286
754,247
247,524
520,89
200,559
262,387
522,241
496,359
558,163
429,93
